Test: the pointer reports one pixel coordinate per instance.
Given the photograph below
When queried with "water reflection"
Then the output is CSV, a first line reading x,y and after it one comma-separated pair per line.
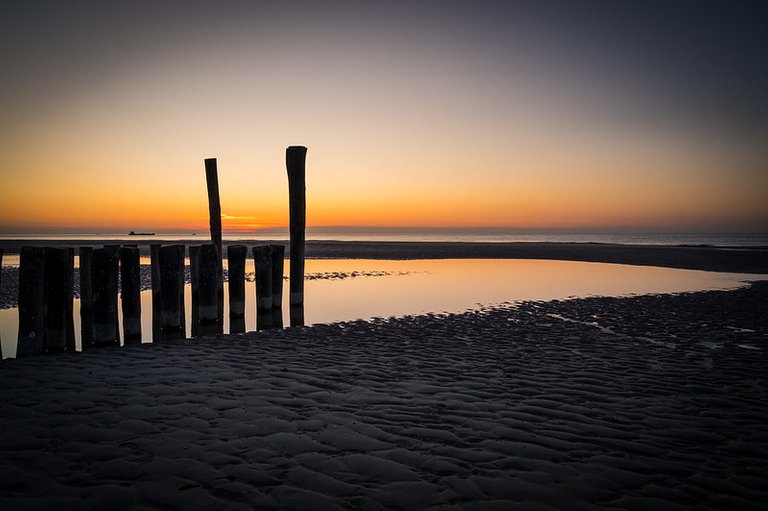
x,y
397,288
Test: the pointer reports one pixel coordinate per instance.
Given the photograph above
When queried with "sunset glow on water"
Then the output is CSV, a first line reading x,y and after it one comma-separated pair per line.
x,y
437,286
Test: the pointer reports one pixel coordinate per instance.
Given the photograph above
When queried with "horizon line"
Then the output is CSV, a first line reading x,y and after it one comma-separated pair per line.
x,y
373,229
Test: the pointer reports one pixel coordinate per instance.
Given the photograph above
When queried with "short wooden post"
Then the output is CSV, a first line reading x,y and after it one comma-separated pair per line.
x,y
214,213
278,259
1,284
154,258
105,270
262,258
295,157
236,255
172,289
69,314
115,249
194,279
130,294
208,275
55,299
31,300
86,298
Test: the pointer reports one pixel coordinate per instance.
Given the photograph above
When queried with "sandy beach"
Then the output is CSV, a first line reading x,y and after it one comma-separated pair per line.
x,y
650,402
728,259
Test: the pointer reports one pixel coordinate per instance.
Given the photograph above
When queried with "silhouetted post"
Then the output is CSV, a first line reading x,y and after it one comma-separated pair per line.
x,y
56,271
105,327
278,259
295,157
172,289
214,212
154,261
262,258
208,309
31,300
130,294
194,279
115,249
86,298
69,314
236,255
1,286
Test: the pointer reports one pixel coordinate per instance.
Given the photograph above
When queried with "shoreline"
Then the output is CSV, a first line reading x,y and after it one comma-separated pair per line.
x,y
720,259
594,403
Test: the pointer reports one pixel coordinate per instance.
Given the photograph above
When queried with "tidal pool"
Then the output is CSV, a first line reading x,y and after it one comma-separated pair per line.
x,y
349,289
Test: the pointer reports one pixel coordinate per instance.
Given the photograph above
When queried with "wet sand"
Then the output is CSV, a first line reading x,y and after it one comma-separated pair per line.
x,y
733,259
650,402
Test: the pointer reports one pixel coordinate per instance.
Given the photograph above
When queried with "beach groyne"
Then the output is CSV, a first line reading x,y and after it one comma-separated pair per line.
x,y
112,276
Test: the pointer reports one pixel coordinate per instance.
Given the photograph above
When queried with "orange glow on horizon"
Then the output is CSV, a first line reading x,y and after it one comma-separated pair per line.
x,y
464,116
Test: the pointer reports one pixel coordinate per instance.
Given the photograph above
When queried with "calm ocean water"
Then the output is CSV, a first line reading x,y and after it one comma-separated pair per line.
x,y
634,238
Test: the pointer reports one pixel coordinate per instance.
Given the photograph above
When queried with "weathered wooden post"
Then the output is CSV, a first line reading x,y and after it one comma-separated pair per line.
x,y
86,298
1,283
262,258
295,157
115,249
194,279
154,261
278,259
56,272
69,314
130,293
208,289
104,281
31,300
236,255
214,213
172,289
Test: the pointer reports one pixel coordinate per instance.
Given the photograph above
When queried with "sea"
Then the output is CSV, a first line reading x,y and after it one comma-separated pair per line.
x,y
714,239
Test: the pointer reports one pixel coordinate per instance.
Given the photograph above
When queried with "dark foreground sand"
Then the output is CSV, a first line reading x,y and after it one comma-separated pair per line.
x,y
655,402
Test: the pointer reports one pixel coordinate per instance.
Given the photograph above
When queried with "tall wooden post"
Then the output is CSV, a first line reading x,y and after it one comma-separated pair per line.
x,y
69,314
130,294
262,258
56,273
214,213
236,255
31,300
86,298
154,258
172,288
278,259
295,157
194,279
105,269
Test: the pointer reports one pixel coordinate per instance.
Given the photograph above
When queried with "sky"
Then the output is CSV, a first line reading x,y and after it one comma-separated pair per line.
x,y
562,115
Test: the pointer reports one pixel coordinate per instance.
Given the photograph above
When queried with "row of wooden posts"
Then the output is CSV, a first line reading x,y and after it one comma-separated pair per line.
x,y
46,283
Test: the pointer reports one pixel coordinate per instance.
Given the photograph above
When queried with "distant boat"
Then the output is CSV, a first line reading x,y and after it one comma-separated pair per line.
x,y
141,233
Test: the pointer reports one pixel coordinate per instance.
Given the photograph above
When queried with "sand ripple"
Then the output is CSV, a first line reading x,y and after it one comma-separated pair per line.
x,y
639,403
